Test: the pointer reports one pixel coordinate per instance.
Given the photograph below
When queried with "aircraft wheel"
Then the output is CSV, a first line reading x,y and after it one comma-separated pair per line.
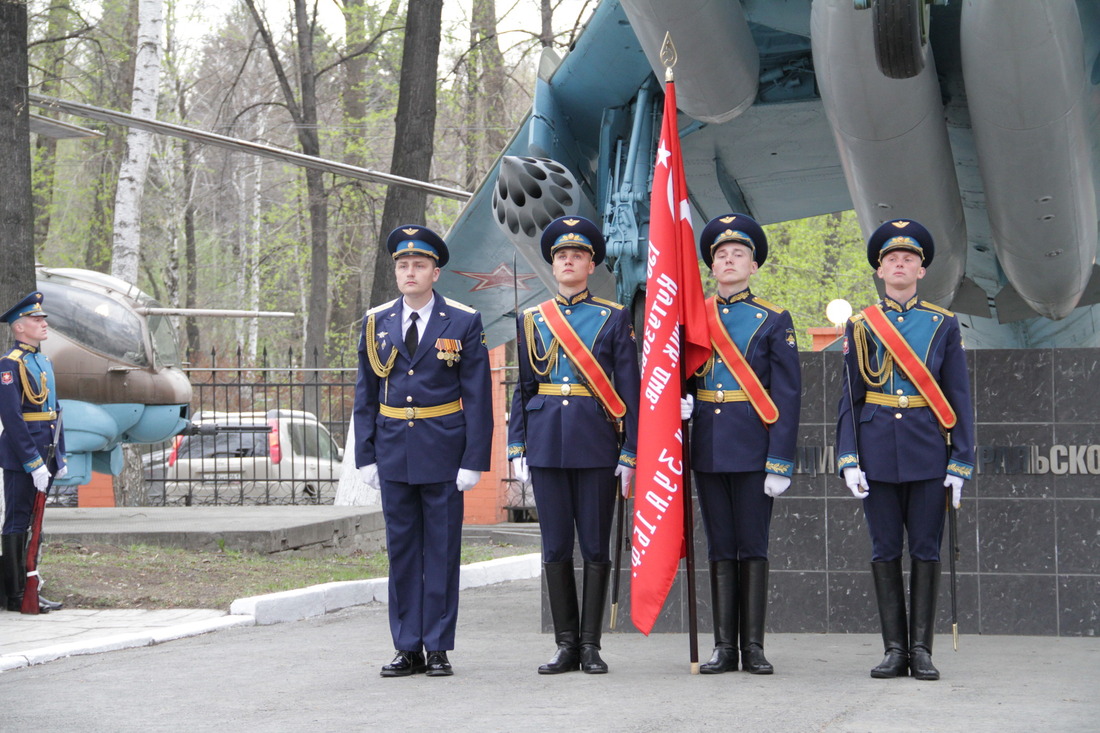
x,y
900,36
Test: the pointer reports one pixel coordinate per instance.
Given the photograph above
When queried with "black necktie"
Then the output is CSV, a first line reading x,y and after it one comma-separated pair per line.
x,y
411,336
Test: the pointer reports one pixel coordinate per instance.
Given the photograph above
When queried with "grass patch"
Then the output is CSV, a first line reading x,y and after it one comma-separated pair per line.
x,y
151,577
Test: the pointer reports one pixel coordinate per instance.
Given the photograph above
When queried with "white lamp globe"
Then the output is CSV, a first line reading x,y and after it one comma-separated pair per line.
x,y
838,311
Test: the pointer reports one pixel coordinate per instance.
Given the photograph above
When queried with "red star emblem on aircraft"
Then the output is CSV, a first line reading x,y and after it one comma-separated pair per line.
x,y
501,277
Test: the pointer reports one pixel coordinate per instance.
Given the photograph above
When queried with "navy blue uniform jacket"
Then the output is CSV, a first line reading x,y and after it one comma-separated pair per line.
x,y
898,445
24,444
430,450
729,437
560,431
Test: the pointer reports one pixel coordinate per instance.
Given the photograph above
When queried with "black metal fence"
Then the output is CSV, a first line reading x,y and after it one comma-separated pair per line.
x,y
261,434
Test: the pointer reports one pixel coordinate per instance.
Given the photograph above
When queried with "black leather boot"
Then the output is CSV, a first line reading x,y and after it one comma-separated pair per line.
x,y
15,572
596,577
924,583
561,586
754,604
890,592
723,593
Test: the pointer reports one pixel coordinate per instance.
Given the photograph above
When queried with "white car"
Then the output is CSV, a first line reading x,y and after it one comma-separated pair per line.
x,y
273,457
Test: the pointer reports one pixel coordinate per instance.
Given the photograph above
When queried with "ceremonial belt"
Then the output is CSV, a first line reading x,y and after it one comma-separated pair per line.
x,y
564,389
913,366
902,401
583,360
721,395
40,416
757,396
419,413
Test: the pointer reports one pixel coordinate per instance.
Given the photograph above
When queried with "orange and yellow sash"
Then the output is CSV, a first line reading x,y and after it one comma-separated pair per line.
x,y
759,398
583,360
913,366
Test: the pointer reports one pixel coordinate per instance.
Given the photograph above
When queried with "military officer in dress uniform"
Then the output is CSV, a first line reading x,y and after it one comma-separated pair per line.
x,y
905,435
573,427
28,410
745,403
423,433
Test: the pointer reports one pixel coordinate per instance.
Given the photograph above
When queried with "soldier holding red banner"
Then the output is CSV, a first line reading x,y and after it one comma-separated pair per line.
x,y
745,413
573,430
907,386
29,414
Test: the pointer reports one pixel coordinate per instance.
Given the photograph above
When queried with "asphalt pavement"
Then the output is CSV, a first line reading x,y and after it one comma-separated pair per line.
x,y
320,673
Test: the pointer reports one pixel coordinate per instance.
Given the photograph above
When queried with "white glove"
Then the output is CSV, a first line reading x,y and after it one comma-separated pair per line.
x,y
369,475
467,479
856,481
519,468
41,478
774,484
687,404
626,475
61,472
955,483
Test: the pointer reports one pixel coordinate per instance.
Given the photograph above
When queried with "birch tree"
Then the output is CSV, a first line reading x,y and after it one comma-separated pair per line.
x,y
126,243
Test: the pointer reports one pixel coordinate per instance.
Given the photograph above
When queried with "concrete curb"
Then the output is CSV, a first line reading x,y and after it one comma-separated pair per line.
x,y
317,600
121,641
274,608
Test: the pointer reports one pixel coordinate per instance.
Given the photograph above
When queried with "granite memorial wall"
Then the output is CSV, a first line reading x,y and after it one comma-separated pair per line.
x,y
1028,529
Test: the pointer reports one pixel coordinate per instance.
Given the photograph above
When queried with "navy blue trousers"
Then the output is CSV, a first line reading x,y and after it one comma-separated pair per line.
x,y
915,508
424,542
737,514
18,501
575,497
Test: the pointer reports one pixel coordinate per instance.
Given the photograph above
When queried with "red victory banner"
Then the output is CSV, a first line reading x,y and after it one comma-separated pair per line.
x,y
674,298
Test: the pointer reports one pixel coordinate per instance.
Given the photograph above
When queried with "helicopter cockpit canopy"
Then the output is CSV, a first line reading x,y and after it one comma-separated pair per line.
x,y
97,312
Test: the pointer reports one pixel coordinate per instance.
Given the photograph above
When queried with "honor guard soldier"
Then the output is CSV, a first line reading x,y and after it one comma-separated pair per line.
x,y
574,428
745,403
28,410
905,434
423,433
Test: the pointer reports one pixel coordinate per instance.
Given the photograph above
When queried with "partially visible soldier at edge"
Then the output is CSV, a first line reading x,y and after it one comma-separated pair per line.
x,y
423,433
745,403
28,410
906,384
573,426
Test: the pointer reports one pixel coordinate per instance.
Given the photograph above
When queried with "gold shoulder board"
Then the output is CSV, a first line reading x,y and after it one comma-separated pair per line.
x,y
608,303
936,308
765,304
460,306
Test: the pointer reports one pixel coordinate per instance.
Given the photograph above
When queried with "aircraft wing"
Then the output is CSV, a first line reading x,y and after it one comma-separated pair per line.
x,y
795,109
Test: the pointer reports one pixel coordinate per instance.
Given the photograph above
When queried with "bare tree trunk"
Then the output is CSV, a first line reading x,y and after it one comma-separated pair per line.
x,y
546,14
45,145
304,114
16,217
256,231
126,250
415,129
490,89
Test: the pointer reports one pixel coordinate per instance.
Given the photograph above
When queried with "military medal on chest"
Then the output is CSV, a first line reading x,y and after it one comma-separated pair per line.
x,y
448,350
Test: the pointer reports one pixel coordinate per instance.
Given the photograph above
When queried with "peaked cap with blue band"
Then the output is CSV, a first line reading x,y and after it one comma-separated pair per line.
x,y
727,228
29,306
413,239
576,232
900,234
